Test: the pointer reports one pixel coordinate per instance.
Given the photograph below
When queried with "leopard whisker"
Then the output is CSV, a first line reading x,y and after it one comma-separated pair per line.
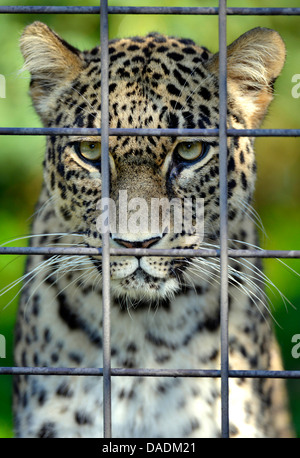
x,y
64,266
31,236
253,292
253,215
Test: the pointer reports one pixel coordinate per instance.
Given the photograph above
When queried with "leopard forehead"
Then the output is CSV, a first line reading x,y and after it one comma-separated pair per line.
x,y
154,82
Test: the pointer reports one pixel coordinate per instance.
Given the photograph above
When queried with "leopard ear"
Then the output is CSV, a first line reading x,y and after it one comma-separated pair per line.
x,y
254,61
51,62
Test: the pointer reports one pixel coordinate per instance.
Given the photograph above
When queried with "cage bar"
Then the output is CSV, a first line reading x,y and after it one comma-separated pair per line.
x,y
105,234
168,10
223,217
141,372
188,253
145,132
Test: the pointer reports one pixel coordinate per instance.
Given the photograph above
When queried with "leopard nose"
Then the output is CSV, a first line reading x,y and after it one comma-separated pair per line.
x,y
139,244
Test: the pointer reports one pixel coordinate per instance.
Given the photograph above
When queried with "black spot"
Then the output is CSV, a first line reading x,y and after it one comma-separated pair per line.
x,y
175,56
90,120
64,390
52,181
47,431
47,335
61,171
173,90
159,342
82,418
75,357
244,181
132,347
231,184
231,214
69,317
205,55
165,69
184,69
162,49
58,119
159,39
205,110
112,87
179,78
157,76
80,108
186,41
133,48
138,39
94,51
65,212
54,357
79,121
188,50
231,164
151,140
138,59
172,121
42,397
175,104
189,120
236,142
117,56
201,124
205,93
123,73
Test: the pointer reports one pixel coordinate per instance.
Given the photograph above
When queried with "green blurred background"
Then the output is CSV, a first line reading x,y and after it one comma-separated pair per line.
x,y
278,186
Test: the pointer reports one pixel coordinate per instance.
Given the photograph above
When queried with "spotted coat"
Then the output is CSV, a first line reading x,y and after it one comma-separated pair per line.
x,y
164,311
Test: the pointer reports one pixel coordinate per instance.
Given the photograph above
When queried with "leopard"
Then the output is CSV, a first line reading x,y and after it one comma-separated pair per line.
x,y
164,310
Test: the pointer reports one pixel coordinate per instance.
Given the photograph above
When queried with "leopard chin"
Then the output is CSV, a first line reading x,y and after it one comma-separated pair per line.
x,y
140,286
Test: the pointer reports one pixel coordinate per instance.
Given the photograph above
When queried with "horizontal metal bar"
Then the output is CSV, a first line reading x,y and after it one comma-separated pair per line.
x,y
76,131
238,11
45,9
188,253
122,372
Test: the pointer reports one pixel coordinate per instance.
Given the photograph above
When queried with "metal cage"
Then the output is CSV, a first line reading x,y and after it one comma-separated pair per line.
x,y
107,372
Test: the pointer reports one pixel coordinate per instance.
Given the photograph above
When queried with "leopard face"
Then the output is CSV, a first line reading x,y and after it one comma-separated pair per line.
x,y
154,82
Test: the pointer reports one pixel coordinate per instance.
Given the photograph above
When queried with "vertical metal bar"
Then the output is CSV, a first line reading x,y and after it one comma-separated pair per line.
x,y
223,217
105,233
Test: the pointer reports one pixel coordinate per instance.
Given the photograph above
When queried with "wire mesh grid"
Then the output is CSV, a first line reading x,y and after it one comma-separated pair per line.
x,y
106,252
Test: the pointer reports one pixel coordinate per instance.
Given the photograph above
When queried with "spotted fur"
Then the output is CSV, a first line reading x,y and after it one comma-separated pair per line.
x,y
164,311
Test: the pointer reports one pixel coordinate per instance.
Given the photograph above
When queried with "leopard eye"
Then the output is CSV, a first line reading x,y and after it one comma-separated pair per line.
x,y
190,151
90,150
